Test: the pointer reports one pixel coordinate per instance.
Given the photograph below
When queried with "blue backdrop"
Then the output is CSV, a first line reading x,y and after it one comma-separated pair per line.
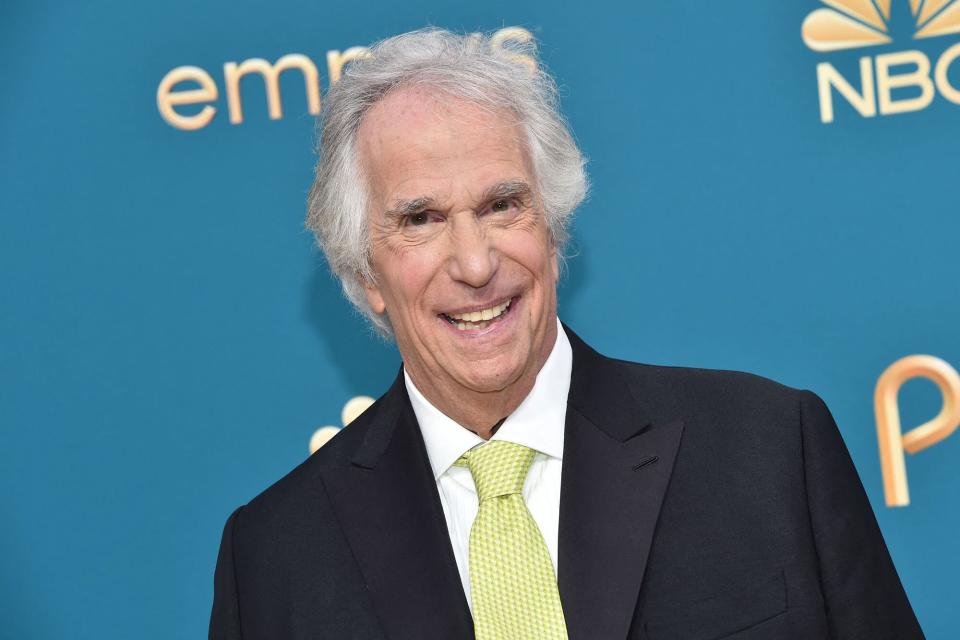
x,y
171,339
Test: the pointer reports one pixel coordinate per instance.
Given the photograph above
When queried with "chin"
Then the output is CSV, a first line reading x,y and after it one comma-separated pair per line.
x,y
492,379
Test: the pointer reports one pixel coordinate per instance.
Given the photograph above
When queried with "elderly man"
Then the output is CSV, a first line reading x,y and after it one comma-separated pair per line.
x,y
513,483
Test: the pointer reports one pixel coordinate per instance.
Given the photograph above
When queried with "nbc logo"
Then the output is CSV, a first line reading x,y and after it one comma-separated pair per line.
x,y
849,24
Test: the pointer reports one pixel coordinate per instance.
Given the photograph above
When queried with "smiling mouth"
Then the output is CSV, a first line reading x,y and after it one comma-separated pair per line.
x,y
478,320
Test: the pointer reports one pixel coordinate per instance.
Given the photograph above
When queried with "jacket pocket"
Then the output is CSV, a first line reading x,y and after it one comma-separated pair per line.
x,y
734,608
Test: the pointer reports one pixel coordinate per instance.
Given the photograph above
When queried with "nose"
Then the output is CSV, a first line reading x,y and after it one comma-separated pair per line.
x,y
473,258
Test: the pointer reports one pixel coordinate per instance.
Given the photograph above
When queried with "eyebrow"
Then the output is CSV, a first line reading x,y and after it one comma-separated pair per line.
x,y
403,208
507,189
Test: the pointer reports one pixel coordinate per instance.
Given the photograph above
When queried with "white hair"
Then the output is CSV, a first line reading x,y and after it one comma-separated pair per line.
x,y
478,68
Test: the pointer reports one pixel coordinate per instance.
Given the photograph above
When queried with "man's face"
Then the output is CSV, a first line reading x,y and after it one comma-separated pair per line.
x,y
465,268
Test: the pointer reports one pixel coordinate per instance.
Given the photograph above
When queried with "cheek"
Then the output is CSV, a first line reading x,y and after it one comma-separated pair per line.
x,y
407,281
535,256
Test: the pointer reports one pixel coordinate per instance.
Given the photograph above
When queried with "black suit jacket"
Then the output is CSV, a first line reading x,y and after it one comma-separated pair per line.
x,y
694,504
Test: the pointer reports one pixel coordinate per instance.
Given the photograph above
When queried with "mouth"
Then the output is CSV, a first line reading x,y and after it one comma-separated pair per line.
x,y
480,319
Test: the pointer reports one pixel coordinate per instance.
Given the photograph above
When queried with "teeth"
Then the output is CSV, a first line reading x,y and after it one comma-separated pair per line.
x,y
483,317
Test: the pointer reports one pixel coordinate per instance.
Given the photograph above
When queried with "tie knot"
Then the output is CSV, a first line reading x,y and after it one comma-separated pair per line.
x,y
499,468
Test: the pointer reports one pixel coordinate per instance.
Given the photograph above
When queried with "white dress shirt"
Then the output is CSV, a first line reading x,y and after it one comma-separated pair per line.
x,y
537,423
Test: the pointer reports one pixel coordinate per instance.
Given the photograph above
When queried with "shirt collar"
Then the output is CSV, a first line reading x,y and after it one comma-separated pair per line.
x,y
537,423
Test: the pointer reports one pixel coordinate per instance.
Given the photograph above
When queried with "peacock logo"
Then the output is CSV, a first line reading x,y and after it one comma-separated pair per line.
x,y
848,24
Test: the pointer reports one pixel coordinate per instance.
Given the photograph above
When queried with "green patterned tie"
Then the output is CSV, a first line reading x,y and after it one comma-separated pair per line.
x,y
514,589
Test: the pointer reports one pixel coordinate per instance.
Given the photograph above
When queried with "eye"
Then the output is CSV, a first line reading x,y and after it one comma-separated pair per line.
x,y
418,219
499,206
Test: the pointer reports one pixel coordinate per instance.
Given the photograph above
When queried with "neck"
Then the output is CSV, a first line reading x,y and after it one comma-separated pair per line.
x,y
483,413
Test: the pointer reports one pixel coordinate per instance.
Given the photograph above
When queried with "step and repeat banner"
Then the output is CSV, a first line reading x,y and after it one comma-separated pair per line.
x,y
775,189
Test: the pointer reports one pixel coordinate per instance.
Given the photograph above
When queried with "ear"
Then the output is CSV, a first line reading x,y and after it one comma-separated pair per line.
x,y
374,297
554,261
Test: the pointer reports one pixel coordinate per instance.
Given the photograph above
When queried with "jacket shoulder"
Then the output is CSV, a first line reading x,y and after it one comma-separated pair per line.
x,y
296,491
718,383
664,390
716,399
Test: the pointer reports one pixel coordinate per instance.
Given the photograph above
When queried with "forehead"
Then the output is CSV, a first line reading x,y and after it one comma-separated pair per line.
x,y
417,139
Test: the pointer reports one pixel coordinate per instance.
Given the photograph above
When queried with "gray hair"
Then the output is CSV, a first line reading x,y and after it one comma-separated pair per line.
x,y
486,69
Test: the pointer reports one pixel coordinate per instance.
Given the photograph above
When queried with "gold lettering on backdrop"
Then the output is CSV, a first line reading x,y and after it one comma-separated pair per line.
x,y
167,98
337,60
232,73
947,90
513,34
892,440
919,77
849,25
828,76
350,412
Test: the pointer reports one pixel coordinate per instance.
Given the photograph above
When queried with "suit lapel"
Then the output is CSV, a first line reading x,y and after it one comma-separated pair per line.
x,y
387,504
616,467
